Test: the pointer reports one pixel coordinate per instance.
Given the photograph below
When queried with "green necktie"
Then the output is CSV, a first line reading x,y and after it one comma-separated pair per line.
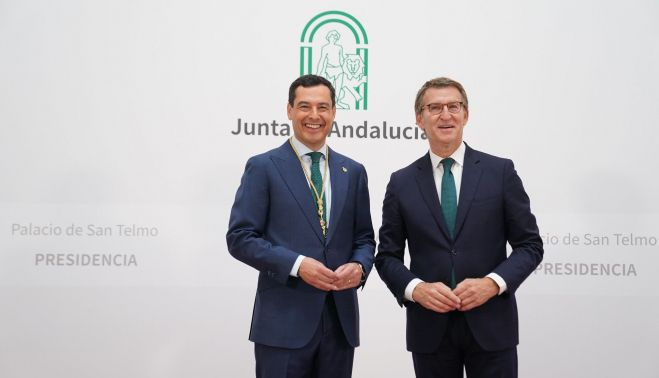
x,y
449,204
317,181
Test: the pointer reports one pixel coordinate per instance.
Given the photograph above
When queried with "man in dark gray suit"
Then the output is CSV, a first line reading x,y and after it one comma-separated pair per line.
x,y
301,217
456,208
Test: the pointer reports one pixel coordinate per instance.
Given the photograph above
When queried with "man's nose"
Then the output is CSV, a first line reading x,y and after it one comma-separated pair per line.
x,y
445,114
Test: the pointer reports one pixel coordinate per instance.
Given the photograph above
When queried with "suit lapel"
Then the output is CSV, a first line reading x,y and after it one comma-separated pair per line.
x,y
339,181
291,172
471,174
426,183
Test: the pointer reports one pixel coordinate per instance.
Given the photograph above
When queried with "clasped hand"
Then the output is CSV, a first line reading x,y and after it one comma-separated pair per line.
x,y
316,274
469,294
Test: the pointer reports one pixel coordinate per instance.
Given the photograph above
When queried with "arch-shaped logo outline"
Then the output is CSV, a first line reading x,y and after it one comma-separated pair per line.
x,y
335,13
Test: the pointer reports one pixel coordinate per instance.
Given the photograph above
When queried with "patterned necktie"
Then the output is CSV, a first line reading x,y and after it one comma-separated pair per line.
x,y
449,204
317,181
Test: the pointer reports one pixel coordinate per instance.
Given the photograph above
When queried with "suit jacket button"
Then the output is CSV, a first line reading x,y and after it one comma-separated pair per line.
x,y
453,252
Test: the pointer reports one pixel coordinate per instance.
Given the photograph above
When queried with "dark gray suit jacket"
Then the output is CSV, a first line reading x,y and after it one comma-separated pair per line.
x,y
493,210
274,220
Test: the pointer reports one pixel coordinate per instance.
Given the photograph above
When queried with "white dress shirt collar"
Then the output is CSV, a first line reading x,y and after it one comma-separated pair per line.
x,y
457,155
302,149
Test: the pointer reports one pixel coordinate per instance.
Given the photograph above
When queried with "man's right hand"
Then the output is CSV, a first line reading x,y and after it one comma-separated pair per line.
x,y
317,275
435,296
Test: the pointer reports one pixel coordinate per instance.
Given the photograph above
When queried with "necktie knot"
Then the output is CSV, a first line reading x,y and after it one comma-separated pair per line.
x,y
447,163
315,156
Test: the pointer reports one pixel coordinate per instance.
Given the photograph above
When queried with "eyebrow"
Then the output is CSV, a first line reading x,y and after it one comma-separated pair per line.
x,y
443,103
308,103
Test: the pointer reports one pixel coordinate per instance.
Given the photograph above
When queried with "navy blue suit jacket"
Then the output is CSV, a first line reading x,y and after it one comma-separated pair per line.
x,y
274,220
493,210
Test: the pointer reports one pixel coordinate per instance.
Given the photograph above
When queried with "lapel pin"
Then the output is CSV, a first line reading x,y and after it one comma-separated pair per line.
x,y
344,169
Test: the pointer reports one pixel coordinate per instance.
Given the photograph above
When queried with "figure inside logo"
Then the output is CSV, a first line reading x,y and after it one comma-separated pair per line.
x,y
346,72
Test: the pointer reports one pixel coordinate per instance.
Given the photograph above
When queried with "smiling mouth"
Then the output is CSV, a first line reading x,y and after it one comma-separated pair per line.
x,y
314,126
446,126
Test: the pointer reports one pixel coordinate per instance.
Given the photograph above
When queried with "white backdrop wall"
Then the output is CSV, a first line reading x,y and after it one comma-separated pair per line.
x,y
119,160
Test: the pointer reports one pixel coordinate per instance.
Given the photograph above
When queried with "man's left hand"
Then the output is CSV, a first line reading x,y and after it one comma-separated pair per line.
x,y
473,292
350,275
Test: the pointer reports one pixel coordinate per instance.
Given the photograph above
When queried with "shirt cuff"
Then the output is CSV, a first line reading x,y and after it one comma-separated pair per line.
x,y
296,266
499,281
409,289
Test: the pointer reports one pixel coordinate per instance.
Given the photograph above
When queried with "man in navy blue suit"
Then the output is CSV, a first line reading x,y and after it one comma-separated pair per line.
x,y
457,208
301,217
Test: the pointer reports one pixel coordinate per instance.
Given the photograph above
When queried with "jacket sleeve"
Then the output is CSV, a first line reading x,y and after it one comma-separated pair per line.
x,y
247,223
521,232
389,261
363,247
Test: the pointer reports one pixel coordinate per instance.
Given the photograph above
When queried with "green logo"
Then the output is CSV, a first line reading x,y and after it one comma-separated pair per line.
x,y
334,45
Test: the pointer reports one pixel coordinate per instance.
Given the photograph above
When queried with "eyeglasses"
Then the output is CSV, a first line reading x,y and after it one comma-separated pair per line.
x,y
437,108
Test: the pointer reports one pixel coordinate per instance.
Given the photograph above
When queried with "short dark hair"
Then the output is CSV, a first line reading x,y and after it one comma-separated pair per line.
x,y
440,82
307,81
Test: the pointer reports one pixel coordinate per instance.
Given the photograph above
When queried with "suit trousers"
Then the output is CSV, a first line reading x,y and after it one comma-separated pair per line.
x,y
459,351
327,355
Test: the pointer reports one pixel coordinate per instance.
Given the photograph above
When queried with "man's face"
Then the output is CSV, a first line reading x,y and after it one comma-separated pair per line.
x,y
312,115
444,130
